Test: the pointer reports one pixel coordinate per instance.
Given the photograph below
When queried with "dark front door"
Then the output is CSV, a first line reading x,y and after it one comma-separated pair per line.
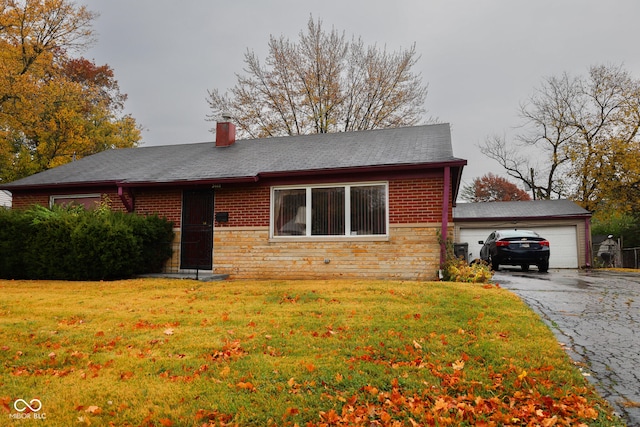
x,y
196,249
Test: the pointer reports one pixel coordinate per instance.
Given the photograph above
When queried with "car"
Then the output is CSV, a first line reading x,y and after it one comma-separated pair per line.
x,y
516,247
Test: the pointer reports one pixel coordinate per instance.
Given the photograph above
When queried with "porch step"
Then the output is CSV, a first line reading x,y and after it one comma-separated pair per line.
x,y
201,276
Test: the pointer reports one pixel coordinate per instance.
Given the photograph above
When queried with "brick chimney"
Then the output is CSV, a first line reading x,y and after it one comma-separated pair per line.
x,y
225,132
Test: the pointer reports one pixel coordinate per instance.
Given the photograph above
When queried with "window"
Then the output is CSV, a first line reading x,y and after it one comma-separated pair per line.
x,y
337,210
89,201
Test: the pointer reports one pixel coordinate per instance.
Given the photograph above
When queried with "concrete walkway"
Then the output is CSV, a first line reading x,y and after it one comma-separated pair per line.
x,y
202,276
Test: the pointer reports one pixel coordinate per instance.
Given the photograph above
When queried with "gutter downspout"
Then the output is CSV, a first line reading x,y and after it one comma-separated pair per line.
x,y
587,241
129,203
445,214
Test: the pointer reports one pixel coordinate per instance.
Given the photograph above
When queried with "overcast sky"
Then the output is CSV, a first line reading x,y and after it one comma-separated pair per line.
x,y
479,58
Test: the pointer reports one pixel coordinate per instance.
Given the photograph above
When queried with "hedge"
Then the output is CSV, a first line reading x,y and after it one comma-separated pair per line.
x,y
71,243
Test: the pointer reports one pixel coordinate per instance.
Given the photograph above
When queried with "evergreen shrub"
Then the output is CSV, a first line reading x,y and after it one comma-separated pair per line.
x,y
71,243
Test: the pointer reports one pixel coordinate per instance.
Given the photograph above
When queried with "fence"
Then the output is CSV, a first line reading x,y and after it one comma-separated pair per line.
x,y
624,258
631,258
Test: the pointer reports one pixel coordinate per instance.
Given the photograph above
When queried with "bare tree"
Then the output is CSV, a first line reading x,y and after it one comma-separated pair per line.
x,y
579,138
323,83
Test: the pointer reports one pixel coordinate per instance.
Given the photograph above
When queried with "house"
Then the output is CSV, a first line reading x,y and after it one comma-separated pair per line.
x,y
367,204
565,224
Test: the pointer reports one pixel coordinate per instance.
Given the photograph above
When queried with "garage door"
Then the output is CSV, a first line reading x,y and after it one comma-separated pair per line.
x,y
563,243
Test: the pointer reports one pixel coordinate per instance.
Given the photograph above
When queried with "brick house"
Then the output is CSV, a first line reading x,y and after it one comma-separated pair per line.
x,y
367,204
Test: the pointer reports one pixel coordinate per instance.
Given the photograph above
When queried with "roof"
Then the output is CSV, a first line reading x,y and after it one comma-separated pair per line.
x,y
518,210
252,159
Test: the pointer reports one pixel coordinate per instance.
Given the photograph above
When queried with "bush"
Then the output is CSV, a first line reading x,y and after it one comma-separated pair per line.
x,y
13,229
461,271
458,270
75,244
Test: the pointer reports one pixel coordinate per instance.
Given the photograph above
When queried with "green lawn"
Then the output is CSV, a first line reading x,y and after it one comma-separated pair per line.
x,y
152,352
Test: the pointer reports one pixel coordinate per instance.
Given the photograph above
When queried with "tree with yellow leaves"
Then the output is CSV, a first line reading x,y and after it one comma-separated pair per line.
x,y
54,107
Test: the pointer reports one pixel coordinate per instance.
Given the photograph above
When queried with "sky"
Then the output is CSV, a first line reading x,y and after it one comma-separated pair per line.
x,y
481,59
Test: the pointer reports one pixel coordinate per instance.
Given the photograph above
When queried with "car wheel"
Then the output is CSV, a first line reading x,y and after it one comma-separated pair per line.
x,y
525,267
543,267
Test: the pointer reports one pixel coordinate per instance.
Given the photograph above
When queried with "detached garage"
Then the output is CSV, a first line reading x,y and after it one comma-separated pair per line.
x,y
565,224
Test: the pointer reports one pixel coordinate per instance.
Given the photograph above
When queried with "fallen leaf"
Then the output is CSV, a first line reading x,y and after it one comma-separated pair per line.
x,y
84,420
93,410
440,404
290,412
166,422
246,386
224,372
458,365
168,331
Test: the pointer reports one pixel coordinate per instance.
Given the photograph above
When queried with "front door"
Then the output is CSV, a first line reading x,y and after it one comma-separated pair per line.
x,y
196,247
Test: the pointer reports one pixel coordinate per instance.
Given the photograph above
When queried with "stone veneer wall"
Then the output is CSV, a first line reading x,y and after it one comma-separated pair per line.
x,y
411,253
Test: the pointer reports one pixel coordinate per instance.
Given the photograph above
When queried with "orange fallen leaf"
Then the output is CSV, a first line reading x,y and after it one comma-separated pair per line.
x,y
440,404
371,390
93,410
246,386
290,412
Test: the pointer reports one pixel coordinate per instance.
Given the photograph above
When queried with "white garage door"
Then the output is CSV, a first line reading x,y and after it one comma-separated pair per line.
x,y
563,243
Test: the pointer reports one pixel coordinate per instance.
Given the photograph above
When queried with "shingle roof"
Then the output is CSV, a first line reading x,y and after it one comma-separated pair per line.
x,y
524,209
416,145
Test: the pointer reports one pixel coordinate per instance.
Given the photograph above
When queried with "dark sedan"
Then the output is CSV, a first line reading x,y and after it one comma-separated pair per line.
x,y
516,247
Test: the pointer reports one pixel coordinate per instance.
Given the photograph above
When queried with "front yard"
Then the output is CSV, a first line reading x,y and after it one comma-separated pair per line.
x,y
151,352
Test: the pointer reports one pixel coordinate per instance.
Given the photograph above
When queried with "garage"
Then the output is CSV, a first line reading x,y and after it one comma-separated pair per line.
x,y
565,224
563,243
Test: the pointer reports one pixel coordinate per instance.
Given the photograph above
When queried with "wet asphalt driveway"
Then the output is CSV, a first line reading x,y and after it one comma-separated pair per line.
x,y
596,315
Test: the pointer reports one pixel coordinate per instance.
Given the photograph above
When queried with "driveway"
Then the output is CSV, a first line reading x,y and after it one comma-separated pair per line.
x,y
596,316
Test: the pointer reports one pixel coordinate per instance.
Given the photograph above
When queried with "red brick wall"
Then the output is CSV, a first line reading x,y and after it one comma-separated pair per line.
x,y
26,200
163,202
247,207
410,201
414,201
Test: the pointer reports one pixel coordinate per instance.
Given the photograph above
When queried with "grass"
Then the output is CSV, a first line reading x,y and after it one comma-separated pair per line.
x,y
154,352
